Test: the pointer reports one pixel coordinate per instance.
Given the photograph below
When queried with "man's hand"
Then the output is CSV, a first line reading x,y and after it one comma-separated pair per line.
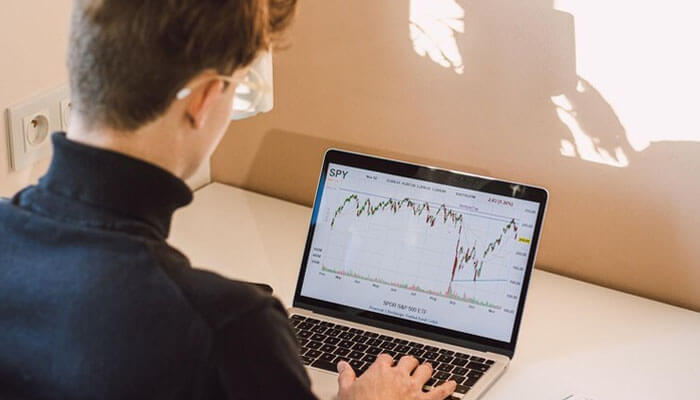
x,y
382,381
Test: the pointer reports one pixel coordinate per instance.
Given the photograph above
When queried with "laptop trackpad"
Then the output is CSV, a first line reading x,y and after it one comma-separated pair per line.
x,y
324,384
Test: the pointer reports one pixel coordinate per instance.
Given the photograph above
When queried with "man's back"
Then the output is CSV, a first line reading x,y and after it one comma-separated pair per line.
x,y
95,304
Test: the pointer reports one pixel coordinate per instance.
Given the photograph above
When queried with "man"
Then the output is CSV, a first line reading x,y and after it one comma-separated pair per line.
x,y
94,304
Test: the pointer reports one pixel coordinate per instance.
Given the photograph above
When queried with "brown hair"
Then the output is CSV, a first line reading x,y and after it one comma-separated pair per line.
x,y
128,58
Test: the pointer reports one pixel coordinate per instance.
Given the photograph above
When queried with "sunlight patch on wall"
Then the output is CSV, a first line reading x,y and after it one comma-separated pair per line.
x,y
432,25
584,145
643,57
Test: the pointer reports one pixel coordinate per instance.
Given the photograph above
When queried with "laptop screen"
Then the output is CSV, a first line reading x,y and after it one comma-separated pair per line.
x,y
420,250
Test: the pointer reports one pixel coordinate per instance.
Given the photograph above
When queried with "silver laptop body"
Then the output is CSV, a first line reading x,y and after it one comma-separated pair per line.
x,y
411,259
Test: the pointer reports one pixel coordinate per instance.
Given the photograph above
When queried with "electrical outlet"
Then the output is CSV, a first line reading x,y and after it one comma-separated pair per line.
x,y
31,123
35,129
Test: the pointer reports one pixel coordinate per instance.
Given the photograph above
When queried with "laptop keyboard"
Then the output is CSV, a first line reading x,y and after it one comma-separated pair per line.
x,y
323,344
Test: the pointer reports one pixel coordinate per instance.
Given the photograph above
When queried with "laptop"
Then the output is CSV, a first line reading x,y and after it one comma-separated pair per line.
x,y
408,259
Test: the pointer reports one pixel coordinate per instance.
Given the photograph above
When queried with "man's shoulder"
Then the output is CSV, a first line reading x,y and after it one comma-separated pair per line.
x,y
217,299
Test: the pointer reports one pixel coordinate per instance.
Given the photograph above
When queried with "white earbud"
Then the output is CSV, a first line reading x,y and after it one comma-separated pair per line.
x,y
184,92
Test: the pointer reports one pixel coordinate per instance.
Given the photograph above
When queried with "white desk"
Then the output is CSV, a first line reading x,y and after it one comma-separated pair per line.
x,y
575,338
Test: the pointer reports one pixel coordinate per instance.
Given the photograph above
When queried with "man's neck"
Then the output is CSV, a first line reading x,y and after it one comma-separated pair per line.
x,y
152,143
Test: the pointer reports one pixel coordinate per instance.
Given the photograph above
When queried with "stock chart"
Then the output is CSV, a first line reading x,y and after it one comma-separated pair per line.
x,y
427,252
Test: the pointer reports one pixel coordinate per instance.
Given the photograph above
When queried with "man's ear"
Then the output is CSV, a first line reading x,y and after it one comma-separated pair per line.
x,y
201,101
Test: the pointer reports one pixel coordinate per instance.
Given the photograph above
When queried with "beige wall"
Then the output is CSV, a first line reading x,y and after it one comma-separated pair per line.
x,y
33,37
526,106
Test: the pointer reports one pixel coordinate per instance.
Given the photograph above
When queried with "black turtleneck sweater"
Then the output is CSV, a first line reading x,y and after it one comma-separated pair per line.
x,y
94,304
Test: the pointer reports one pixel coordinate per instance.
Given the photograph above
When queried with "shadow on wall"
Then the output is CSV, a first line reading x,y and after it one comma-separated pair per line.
x,y
437,26
512,103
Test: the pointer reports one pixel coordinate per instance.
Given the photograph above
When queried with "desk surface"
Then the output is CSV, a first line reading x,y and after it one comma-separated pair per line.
x,y
576,338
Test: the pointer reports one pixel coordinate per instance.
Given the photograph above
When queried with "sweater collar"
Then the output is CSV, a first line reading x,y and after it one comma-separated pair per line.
x,y
116,182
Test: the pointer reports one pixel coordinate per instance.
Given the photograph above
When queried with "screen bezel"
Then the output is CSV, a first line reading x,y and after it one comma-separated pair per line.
x,y
434,175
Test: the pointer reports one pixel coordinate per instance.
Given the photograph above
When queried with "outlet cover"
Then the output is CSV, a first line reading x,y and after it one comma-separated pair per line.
x,y
30,125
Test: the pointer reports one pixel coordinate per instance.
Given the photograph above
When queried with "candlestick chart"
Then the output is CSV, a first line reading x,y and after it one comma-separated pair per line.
x,y
421,246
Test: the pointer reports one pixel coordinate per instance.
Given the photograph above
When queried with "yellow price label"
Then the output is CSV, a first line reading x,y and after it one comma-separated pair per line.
x,y
524,240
